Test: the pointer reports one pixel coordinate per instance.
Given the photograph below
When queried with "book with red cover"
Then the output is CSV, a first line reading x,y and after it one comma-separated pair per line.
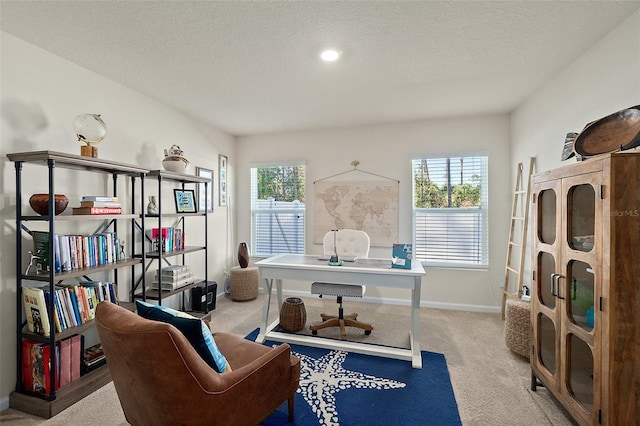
x,y
76,356
65,362
97,210
36,367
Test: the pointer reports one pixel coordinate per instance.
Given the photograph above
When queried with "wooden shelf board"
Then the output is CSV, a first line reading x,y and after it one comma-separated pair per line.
x,y
188,249
200,315
153,294
71,161
66,396
178,177
86,271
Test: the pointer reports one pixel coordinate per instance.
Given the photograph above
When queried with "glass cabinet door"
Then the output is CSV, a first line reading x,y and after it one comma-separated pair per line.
x,y
581,204
579,315
548,343
581,301
547,246
547,216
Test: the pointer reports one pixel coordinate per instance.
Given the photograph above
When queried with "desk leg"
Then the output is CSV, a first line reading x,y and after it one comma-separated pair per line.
x,y
279,293
416,356
268,284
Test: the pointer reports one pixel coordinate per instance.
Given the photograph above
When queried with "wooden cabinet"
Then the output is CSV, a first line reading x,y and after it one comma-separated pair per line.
x,y
585,308
196,243
28,162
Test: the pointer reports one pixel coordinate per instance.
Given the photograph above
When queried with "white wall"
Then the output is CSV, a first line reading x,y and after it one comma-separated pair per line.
x,y
41,95
604,80
387,150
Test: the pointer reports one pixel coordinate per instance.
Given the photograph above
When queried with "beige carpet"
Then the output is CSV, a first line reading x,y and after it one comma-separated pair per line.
x,y
491,383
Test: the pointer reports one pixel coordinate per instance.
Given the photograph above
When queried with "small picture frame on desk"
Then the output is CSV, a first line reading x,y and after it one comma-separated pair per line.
x,y
185,200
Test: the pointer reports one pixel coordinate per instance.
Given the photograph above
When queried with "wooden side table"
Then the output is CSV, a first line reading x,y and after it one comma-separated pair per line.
x,y
244,283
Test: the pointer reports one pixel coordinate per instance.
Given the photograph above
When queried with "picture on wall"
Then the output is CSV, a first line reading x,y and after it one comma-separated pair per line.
x,y
222,191
205,173
371,206
185,200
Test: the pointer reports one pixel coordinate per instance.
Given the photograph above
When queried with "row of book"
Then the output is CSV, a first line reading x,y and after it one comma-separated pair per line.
x,y
75,251
73,305
97,205
71,362
172,239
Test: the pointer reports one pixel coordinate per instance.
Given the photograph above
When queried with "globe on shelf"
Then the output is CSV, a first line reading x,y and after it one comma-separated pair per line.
x,y
90,130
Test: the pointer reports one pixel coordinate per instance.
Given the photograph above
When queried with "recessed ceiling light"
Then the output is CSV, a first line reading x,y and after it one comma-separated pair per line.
x,y
330,55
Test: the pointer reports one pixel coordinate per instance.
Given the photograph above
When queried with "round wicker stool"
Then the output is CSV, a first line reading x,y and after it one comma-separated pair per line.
x,y
293,315
517,326
244,283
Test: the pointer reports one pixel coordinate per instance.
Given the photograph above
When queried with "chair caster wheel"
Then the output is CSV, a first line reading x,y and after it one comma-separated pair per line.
x,y
367,332
314,332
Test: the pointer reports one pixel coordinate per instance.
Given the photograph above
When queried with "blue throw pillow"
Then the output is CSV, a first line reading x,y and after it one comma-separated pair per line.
x,y
194,329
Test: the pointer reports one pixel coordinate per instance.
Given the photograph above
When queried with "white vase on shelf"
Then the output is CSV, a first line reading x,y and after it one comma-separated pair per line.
x,y
152,207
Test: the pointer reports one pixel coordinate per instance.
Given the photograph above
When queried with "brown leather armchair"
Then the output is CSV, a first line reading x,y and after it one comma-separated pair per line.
x,y
161,380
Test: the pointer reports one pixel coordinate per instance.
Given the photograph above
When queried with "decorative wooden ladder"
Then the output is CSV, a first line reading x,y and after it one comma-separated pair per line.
x,y
520,195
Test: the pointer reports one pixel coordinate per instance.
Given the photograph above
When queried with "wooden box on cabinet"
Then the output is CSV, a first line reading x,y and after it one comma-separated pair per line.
x,y
585,308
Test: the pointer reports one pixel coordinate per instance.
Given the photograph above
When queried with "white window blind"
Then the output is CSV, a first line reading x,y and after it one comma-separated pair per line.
x,y
277,209
451,211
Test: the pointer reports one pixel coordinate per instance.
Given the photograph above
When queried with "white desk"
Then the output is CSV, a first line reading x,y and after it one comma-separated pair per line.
x,y
370,272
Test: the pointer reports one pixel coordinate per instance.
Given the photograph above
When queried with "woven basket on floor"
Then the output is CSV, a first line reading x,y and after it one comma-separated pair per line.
x,y
293,315
244,283
517,327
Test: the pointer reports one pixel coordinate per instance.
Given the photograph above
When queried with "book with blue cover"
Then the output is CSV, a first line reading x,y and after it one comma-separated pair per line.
x,y
401,256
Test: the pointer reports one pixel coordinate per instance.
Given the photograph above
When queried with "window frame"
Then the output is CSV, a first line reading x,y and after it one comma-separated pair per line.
x,y
482,212
298,210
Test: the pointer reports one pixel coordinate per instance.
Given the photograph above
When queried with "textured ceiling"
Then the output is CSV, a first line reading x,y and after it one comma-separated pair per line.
x,y
252,67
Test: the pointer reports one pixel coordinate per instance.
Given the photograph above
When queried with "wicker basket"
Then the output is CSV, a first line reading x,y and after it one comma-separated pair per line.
x,y
293,315
518,328
244,283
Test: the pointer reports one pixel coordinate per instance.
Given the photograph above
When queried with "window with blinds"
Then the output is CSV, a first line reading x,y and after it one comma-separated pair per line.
x,y
277,209
450,211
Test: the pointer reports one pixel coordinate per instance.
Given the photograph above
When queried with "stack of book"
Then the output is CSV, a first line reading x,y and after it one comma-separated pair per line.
x,y
93,358
173,277
98,204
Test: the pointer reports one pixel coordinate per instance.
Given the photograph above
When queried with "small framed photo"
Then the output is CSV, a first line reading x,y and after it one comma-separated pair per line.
x,y
205,173
185,200
222,192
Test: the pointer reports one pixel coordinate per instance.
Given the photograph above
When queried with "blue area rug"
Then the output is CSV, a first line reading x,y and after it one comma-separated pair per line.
x,y
350,389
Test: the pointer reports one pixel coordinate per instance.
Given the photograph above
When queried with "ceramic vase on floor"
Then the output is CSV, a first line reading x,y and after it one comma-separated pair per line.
x,y
243,255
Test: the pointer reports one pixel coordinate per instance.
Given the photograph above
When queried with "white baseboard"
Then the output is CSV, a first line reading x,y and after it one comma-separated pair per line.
x,y
4,403
423,303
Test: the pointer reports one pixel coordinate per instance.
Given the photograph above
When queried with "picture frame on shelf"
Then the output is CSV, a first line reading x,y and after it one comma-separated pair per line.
x,y
209,174
185,200
222,191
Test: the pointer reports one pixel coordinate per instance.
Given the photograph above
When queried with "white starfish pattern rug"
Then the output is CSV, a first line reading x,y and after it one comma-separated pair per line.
x,y
322,378
339,388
